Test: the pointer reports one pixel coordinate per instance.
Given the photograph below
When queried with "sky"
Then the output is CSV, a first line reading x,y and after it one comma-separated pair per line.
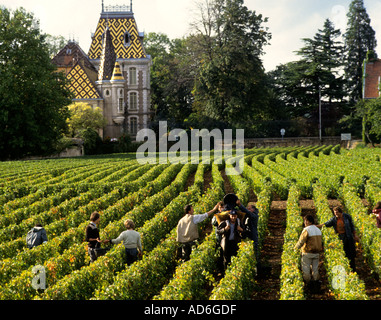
x,y
289,20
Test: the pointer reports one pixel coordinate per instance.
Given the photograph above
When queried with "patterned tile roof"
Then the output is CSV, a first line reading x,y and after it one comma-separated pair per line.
x,y
81,85
125,38
70,55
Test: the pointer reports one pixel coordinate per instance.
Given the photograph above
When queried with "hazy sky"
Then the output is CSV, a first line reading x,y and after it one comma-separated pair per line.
x,y
289,20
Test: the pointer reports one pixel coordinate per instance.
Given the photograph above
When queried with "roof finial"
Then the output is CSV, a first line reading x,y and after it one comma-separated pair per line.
x,y
131,6
103,6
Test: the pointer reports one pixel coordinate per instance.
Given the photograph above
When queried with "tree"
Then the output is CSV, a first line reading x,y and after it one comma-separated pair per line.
x,y
359,39
300,85
289,83
83,117
172,77
321,61
230,83
369,113
329,60
158,46
33,97
55,44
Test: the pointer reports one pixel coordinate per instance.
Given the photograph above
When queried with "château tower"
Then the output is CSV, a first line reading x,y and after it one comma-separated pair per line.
x,y
115,75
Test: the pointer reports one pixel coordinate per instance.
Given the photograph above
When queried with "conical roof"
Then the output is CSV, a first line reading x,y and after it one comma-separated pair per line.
x,y
108,57
127,40
117,74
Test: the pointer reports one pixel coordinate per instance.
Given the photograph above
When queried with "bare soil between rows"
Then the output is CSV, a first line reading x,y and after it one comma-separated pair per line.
x,y
271,254
268,286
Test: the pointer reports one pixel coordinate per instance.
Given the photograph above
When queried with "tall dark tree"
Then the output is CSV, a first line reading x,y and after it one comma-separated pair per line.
x,y
322,58
33,97
329,57
298,83
359,39
230,84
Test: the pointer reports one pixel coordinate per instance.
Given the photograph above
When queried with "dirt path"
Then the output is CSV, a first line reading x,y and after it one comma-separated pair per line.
x,y
371,280
271,255
308,207
190,181
228,186
208,180
269,285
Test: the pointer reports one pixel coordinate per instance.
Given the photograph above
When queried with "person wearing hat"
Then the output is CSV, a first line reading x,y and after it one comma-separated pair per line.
x,y
231,232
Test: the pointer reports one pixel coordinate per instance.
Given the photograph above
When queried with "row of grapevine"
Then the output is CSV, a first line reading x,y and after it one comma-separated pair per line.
x,y
292,286
145,278
81,283
344,283
75,236
77,210
239,280
370,235
62,195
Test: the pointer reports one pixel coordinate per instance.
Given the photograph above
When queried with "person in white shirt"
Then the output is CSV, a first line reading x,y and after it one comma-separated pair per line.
x,y
131,241
187,229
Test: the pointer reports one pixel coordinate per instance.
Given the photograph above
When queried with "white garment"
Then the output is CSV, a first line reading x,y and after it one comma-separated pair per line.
x,y
131,239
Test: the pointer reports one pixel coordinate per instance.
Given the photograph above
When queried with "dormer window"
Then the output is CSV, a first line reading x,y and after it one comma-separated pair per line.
x,y
127,39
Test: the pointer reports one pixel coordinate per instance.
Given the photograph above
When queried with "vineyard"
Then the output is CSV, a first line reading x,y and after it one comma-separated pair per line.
x,y
285,183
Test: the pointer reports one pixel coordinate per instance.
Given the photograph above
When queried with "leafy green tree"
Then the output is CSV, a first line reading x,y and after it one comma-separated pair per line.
x,y
82,117
55,44
171,77
158,46
291,89
33,97
329,62
230,83
92,142
359,39
369,113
